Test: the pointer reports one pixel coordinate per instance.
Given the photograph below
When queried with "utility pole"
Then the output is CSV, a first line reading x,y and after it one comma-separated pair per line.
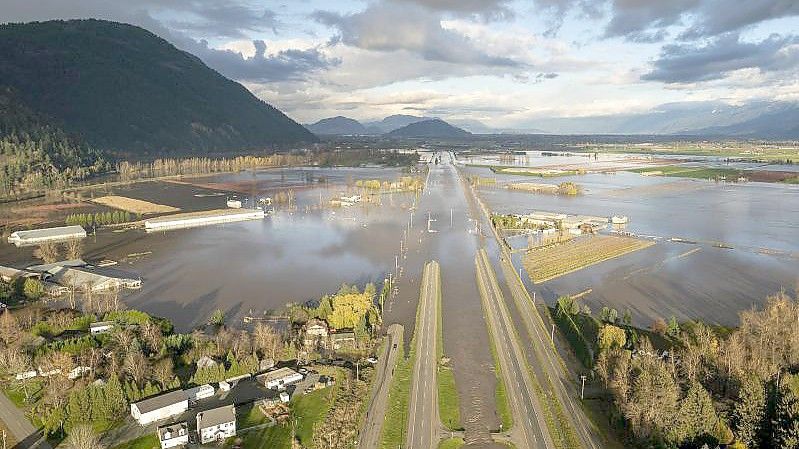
x,y
450,217
552,334
582,389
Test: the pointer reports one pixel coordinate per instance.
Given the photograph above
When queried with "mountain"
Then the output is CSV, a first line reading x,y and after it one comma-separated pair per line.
x,y
37,154
757,119
435,128
396,121
782,122
338,126
122,88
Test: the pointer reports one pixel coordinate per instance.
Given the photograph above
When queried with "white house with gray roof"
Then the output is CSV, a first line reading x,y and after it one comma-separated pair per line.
x,y
160,407
216,424
173,435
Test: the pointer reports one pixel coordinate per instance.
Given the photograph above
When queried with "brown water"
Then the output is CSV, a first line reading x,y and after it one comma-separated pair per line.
x,y
760,221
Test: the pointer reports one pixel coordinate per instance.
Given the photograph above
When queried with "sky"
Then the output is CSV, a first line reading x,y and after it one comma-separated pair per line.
x,y
506,64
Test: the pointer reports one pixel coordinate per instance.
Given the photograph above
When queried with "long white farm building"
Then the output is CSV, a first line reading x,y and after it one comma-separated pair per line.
x,y
36,236
202,218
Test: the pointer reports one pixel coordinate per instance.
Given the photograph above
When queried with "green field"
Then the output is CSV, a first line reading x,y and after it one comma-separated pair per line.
x,y
276,437
309,409
149,441
680,171
747,152
501,393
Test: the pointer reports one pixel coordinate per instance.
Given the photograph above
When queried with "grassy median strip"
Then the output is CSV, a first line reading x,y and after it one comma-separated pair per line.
x,y
501,393
395,422
448,404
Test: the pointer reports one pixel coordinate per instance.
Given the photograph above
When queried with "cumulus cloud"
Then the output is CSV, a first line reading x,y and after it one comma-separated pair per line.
x,y
683,63
390,27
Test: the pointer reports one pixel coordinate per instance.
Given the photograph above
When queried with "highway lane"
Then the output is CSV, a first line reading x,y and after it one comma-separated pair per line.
x,y
423,418
544,359
550,363
18,424
530,430
369,437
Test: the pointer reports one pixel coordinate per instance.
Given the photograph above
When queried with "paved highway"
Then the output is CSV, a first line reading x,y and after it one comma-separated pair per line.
x,y
18,424
550,364
423,420
369,437
530,430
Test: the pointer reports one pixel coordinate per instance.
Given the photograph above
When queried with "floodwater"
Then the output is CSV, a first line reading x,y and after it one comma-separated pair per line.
x,y
759,221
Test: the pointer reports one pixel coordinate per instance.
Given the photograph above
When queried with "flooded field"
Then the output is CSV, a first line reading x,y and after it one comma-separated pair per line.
x,y
739,241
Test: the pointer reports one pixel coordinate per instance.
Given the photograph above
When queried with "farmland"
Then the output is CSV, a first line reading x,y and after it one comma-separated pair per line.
x,y
133,205
550,262
729,174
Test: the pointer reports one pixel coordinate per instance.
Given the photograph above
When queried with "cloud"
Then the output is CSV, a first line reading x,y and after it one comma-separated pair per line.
x,y
284,65
683,63
390,27
648,20
488,10
223,19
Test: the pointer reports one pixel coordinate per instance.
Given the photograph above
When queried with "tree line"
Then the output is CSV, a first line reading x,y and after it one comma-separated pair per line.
x,y
706,385
88,220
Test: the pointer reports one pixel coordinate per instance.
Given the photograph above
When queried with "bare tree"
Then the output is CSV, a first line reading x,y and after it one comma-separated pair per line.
x,y
48,252
267,340
83,437
163,372
136,365
73,248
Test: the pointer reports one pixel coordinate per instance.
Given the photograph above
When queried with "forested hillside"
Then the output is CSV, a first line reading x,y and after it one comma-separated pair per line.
x,y
122,88
37,155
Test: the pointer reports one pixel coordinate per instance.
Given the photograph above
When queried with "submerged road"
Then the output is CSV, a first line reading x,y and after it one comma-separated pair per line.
x,y
423,418
530,430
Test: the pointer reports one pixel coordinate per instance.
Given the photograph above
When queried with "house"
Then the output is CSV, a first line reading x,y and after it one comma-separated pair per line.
x,y
78,371
279,378
339,339
201,392
25,375
8,274
173,435
78,274
216,424
101,327
315,332
160,407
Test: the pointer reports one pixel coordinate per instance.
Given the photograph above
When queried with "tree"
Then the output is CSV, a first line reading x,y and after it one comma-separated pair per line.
x,y
786,419
696,416
163,372
659,326
266,340
627,318
610,336
83,437
48,252
750,411
217,318
73,249
33,288
673,329
609,315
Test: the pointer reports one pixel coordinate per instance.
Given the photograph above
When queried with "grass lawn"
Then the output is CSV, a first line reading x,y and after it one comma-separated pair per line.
x,y
250,418
275,437
451,443
310,409
501,393
681,171
146,442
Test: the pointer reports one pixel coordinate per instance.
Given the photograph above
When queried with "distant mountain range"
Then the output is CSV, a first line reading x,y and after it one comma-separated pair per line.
x,y
406,126
765,120
760,119
121,88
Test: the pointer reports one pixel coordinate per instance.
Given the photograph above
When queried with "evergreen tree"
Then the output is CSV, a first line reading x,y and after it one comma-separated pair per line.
x,y
786,419
696,416
750,411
